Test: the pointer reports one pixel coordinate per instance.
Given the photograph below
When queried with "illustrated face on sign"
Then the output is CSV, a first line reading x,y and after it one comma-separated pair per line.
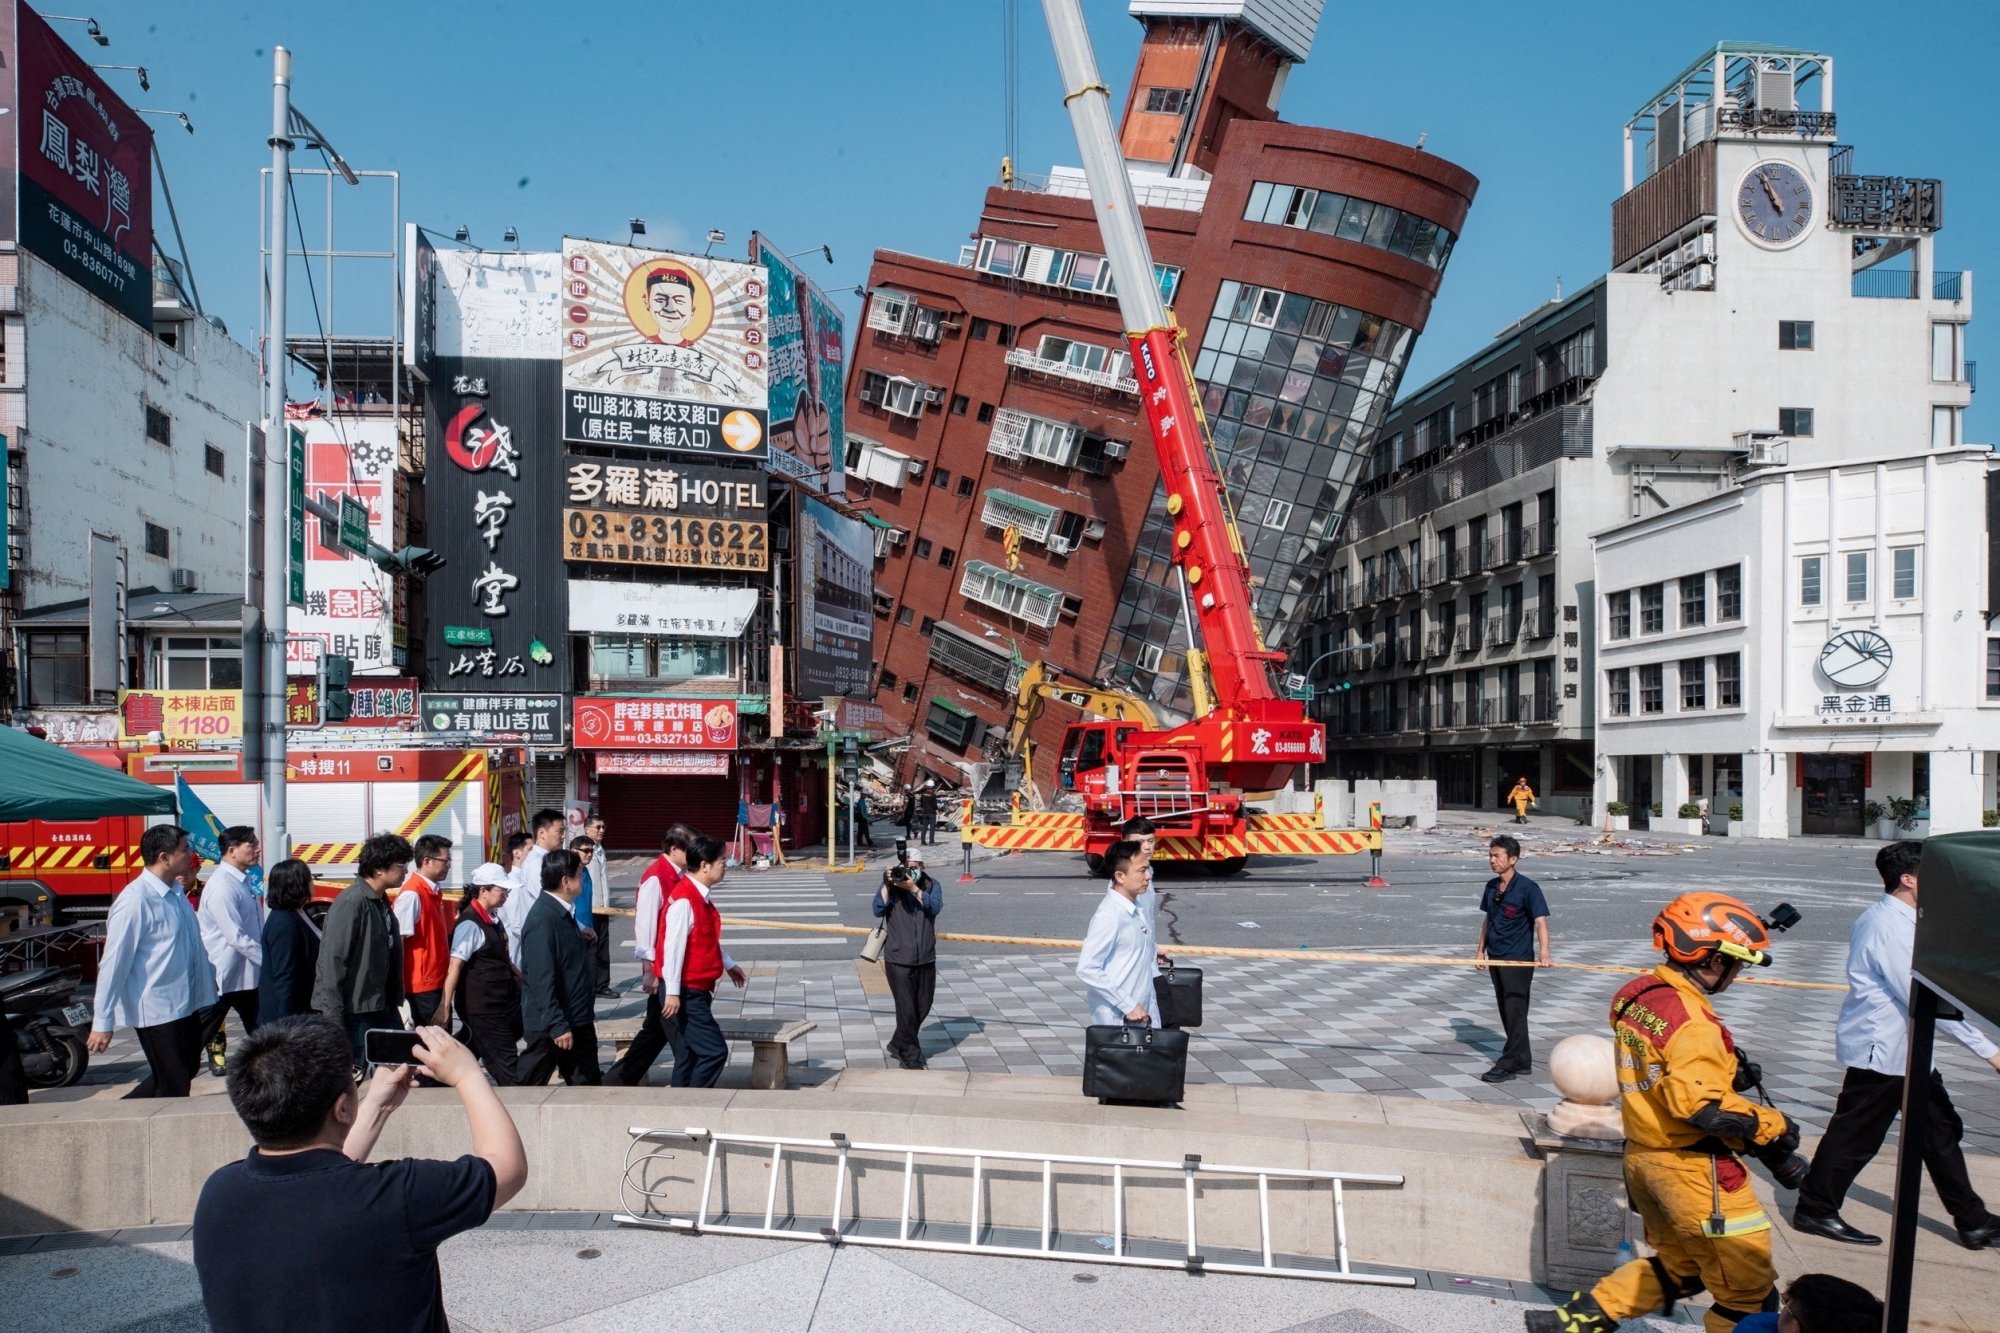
x,y
670,301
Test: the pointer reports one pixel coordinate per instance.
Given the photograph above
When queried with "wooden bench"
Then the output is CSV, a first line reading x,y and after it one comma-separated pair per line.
x,y
770,1040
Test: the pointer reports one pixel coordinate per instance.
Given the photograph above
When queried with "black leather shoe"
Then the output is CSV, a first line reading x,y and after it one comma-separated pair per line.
x,y
1833,1228
1979,1237
1498,1074
912,1062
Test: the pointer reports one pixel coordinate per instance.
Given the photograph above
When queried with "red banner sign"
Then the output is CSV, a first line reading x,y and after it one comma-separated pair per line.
x,y
655,724
682,764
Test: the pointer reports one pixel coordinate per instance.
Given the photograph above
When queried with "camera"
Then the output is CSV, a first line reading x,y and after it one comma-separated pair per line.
x,y
1787,1165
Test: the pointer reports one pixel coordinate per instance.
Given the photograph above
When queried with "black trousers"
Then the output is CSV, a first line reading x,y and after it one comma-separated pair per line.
x,y
655,1035
1868,1104
577,1065
492,1038
173,1052
912,986
603,956
244,1002
701,1053
1510,988
424,1006
13,1074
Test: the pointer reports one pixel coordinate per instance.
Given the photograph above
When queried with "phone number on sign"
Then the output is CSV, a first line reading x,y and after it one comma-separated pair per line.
x,y
656,539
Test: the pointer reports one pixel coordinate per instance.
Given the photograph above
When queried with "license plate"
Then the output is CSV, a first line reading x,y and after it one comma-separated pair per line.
x,y
76,1015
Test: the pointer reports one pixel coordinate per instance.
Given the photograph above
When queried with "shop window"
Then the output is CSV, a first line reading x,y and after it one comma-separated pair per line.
x,y
189,663
58,669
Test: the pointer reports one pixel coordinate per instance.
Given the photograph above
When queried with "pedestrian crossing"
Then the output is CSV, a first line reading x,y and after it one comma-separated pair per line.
x,y
785,894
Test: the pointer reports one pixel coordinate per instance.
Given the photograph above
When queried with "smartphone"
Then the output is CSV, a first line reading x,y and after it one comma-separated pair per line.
x,y
390,1046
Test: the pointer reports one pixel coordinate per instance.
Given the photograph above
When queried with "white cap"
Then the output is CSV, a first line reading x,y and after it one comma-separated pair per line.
x,y
489,874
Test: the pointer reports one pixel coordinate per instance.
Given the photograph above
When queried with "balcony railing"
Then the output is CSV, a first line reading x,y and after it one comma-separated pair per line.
x,y
1887,284
1502,630
1948,285
1541,623
1466,639
1023,359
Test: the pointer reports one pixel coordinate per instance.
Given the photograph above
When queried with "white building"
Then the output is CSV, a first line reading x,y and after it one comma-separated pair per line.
x,y
1461,612
1853,664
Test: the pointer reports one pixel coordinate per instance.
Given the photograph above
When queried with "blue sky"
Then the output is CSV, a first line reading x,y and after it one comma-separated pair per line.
x,y
877,123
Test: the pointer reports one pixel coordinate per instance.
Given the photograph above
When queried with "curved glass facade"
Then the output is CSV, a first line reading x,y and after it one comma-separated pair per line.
x,y
1295,390
1351,219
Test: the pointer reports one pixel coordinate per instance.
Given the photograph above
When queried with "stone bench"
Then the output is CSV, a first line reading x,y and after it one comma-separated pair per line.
x,y
770,1041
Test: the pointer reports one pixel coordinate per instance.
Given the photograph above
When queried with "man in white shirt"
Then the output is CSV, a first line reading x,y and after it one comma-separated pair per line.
x,y
691,959
656,1034
154,975
1871,1039
232,931
1120,958
599,867
547,830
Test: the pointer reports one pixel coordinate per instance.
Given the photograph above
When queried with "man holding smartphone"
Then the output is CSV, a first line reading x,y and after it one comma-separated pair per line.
x,y
908,904
305,1231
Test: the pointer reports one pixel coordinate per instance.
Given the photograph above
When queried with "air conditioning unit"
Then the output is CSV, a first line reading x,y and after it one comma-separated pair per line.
x,y
870,396
1060,545
933,394
916,467
181,580
1116,448
925,327
1094,530
897,536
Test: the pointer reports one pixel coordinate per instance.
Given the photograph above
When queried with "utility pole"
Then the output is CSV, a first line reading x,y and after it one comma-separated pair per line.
x,y
277,491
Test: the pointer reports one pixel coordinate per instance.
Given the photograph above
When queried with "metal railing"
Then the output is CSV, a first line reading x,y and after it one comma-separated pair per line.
x,y
1541,623
1023,359
1894,284
1948,285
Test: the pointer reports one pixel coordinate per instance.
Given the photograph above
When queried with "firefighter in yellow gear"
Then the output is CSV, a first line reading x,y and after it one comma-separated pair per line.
x,y
1687,1127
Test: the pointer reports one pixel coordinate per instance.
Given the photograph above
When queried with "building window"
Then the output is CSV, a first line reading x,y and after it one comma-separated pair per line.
x,y
1905,571
927,626
1795,335
159,426
1857,576
1350,219
156,541
1618,691
959,402
946,557
1652,689
202,664
1278,514
941,478
1018,434
923,548
215,460
905,616
1729,680
1948,353
1653,608
651,658
980,328
1945,433
58,669
950,725
985,413
1619,613
910,692
1993,669
1003,334
1729,593
1072,608
1694,601
1810,569
1796,422
1168,101
1694,684
965,485
888,680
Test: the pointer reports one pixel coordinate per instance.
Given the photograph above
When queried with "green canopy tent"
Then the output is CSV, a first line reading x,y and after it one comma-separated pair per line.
x,y
43,781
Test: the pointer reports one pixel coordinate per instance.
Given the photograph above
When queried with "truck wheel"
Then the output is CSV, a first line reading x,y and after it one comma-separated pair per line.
x,y
316,912
1094,864
67,1059
1232,865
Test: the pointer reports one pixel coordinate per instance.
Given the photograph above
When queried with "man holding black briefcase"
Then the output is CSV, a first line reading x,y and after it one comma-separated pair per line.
x,y
1126,1057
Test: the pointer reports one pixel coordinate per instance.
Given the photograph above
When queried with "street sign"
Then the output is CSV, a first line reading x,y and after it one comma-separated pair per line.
x,y
468,636
295,588
1303,693
353,525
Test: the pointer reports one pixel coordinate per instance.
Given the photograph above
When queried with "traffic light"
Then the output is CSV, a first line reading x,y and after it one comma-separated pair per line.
x,y
336,704
850,759
412,561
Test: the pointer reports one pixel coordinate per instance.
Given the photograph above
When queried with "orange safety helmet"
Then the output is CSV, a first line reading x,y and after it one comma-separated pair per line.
x,y
1697,925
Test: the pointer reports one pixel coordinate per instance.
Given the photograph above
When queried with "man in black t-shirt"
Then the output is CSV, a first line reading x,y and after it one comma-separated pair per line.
x,y
1516,928
304,1233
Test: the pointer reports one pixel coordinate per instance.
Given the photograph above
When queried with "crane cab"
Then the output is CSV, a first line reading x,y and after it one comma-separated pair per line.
x,y
1088,748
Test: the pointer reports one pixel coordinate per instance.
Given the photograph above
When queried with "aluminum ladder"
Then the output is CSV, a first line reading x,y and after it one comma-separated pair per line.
x,y
909,1231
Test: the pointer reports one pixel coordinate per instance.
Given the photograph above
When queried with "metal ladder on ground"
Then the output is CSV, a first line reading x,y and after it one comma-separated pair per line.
x,y
908,1230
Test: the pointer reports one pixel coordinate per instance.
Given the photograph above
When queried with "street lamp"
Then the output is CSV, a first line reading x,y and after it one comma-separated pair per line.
x,y
95,33
181,116
826,250
637,229
145,85
716,236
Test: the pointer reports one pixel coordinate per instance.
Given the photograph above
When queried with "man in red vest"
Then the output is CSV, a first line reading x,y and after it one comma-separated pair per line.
x,y
692,960
426,935
649,916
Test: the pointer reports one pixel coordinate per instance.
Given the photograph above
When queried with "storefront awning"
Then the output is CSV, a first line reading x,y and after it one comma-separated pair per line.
x,y
951,707
1021,502
878,523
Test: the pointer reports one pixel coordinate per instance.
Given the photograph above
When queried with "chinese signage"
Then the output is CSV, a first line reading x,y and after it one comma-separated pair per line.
x,y
862,719
807,397
678,543
375,703
694,764
85,172
1854,707
674,609
496,612
836,602
349,605
692,490
484,719
655,724
185,718
663,351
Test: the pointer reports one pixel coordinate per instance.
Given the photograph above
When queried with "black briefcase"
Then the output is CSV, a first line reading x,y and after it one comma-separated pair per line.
x,y
1178,990
1129,1063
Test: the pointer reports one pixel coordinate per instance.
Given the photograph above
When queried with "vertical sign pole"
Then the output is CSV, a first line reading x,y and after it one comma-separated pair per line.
x,y
278,455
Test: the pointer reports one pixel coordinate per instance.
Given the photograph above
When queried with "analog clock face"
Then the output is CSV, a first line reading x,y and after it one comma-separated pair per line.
x,y
1856,659
1775,203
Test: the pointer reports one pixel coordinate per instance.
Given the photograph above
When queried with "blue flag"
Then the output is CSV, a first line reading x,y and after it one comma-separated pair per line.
x,y
204,831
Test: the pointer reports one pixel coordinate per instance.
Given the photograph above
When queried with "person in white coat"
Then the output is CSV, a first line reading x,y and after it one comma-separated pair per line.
x,y
232,931
547,833
154,975
1120,954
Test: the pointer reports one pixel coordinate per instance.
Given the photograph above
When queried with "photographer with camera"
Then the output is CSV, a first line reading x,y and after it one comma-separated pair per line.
x,y
1687,1128
908,903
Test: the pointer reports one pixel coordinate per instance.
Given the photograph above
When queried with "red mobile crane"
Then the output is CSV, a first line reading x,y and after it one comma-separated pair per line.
x,y
1246,735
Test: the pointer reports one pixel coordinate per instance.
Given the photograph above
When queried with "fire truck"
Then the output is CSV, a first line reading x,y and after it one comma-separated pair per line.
x,y
1247,736
336,799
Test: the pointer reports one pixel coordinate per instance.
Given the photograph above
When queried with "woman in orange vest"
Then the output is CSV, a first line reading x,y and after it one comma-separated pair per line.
x,y
419,909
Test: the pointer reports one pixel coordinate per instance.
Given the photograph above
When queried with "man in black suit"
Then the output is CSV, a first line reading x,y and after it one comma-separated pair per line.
x,y
561,976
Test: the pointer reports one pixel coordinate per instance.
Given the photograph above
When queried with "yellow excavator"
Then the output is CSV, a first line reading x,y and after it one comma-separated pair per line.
x,y
1014,778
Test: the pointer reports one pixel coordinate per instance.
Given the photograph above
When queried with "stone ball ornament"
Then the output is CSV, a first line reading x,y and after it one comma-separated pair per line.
x,y
1585,1071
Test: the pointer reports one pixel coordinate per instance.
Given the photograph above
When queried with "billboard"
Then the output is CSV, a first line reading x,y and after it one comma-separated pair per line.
x,y
663,351
487,303
607,722
84,165
350,605
493,719
808,393
836,592
497,614
678,610
381,702
187,719
665,515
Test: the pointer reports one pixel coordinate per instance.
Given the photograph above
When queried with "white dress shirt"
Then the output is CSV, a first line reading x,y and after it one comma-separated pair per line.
x,y
1119,959
680,925
154,969
529,876
1874,1026
232,929
646,916
514,912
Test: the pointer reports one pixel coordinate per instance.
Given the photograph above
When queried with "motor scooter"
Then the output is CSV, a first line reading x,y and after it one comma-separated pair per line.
x,y
49,1024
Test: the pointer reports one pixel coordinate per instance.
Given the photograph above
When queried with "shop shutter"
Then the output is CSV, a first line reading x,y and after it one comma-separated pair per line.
x,y
637,808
